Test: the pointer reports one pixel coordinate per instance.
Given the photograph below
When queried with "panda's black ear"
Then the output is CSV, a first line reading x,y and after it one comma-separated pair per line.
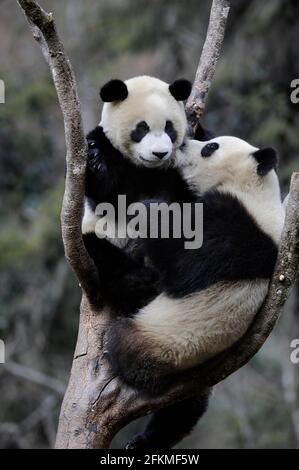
x,y
202,134
114,90
180,89
267,159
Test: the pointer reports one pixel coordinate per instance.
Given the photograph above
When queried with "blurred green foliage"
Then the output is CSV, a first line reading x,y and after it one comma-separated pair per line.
x,y
39,297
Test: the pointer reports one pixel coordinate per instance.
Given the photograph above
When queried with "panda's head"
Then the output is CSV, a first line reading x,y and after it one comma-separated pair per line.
x,y
228,162
144,118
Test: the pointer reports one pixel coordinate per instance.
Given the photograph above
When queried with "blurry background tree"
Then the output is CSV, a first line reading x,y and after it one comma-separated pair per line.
x,y
250,97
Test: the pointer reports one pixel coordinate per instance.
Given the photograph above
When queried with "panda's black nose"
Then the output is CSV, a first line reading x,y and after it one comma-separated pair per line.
x,y
160,155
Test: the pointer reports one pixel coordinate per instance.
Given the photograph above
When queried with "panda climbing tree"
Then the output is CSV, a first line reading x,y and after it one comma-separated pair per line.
x,y
96,402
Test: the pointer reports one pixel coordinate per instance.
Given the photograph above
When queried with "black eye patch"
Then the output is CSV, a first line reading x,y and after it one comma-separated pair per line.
x,y
140,131
209,149
170,131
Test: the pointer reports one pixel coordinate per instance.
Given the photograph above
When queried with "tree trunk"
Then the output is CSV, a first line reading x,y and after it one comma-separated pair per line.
x,y
96,404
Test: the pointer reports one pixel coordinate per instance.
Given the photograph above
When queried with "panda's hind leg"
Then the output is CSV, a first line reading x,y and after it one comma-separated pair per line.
x,y
170,425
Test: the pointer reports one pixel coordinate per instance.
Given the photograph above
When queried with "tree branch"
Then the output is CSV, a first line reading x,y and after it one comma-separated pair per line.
x,y
44,32
207,65
107,405
27,373
96,404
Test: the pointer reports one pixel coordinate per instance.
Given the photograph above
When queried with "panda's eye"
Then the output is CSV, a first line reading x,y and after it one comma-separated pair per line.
x,y
91,144
142,125
209,149
170,131
140,131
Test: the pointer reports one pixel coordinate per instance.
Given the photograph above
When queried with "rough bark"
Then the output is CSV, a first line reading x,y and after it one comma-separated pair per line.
x,y
207,65
44,32
96,404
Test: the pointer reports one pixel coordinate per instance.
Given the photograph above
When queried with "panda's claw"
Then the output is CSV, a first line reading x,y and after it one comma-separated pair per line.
x,y
95,161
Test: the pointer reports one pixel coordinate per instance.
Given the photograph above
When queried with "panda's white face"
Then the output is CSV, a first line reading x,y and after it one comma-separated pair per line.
x,y
235,167
152,147
147,126
227,161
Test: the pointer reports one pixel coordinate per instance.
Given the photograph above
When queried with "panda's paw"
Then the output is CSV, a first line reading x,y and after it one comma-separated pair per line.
x,y
94,159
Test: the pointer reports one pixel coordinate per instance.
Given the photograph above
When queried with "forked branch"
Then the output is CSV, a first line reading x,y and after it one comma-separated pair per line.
x,y
96,404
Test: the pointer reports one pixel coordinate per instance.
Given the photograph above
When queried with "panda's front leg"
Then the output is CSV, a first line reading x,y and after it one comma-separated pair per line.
x,y
100,181
96,144
95,161
126,285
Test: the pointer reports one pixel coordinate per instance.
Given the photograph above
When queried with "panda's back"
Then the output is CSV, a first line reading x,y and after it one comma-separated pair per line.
x,y
211,294
234,249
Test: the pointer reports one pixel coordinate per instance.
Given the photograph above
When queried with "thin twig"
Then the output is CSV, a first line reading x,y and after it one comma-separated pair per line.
x,y
27,373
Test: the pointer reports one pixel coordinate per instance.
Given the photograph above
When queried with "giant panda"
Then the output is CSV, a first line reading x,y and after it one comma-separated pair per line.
x,y
206,298
132,150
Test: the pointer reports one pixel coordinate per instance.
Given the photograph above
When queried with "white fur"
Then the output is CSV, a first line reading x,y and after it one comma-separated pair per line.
x,y
91,224
148,100
156,141
188,331
232,169
89,219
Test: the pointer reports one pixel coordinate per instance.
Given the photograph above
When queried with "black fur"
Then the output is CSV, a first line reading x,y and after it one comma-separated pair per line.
x,y
202,134
170,130
109,174
130,358
114,90
126,284
180,89
141,130
234,249
170,425
209,149
267,160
